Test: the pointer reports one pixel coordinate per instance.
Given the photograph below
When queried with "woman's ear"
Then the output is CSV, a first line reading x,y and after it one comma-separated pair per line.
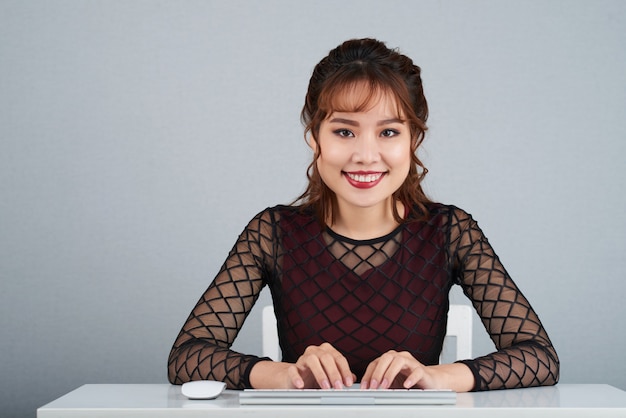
x,y
313,143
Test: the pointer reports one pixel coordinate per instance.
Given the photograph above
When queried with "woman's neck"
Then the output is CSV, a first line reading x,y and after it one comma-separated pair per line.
x,y
365,223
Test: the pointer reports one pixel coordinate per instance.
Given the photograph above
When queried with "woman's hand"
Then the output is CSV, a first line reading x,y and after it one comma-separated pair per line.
x,y
396,370
401,370
321,367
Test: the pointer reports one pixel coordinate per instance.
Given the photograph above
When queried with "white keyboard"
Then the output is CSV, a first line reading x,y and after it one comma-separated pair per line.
x,y
347,396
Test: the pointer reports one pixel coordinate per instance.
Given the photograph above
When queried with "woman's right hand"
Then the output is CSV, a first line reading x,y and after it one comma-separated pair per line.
x,y
321,367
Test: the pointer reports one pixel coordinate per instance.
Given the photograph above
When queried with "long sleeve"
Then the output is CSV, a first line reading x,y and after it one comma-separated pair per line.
x,y
525,355
202,348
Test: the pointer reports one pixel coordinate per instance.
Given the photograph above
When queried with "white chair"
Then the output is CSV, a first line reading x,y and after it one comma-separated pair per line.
x,y
459,326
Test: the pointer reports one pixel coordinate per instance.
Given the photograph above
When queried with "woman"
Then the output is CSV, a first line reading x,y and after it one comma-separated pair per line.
x,y
361,266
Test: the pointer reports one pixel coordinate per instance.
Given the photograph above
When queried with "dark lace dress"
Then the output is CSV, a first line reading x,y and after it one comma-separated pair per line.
x,y
365,298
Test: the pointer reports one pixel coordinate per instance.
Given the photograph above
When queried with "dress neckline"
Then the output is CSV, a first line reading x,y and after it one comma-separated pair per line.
x,y
368,241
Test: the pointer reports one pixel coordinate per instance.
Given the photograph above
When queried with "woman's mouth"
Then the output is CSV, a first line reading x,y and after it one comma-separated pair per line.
x,y
364,180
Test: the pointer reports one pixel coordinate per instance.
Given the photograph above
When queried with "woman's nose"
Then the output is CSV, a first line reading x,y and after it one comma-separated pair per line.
x,y
366,150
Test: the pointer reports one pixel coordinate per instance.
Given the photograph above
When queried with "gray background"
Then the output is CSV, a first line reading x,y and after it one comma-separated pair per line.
x,y
139,137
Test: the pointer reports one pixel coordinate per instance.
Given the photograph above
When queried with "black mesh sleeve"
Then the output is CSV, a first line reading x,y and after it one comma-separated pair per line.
x,y
525,355
202,348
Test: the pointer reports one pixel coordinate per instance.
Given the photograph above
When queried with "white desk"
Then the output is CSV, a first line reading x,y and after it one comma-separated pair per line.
x,y
161,400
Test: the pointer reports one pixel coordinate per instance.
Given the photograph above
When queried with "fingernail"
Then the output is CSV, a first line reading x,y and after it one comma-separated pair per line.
x,y
338,384
325,384
384,384
408,384
373,384
349,381
363,385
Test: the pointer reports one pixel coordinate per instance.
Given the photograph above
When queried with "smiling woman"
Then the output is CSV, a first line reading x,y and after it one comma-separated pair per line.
x,y
360,267
363,158
351,82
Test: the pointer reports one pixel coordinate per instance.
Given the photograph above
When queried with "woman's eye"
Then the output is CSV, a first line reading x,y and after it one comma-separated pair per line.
x,y
388,133
345,133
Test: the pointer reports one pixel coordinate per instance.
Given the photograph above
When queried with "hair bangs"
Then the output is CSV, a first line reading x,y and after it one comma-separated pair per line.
x,y
353,93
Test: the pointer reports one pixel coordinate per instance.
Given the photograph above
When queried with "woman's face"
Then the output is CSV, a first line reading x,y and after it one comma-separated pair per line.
x,y
365,156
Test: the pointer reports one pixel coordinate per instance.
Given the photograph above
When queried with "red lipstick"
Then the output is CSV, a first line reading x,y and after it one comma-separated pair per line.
x,y
364,179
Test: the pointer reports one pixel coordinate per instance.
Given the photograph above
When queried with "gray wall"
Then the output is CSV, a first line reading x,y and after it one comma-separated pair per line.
x,y
139,137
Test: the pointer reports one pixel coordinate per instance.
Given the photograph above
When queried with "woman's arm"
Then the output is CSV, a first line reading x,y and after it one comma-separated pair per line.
x,y
525,356
202,348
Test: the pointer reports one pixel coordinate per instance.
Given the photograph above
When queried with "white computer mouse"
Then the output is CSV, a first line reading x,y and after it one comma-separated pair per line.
x,y
202,389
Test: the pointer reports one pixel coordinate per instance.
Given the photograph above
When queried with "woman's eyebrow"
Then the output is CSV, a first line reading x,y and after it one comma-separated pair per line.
x,y
346,121
389,121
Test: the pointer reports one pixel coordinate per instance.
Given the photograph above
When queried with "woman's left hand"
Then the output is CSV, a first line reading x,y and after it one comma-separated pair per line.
x,y
395,370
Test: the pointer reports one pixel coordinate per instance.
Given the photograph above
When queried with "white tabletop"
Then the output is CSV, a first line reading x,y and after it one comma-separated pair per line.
x,y
160,400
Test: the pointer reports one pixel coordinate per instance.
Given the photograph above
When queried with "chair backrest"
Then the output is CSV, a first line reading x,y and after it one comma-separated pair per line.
x,y
459,326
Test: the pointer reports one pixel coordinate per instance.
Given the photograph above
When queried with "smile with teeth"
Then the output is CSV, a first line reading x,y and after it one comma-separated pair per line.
x,y
365,178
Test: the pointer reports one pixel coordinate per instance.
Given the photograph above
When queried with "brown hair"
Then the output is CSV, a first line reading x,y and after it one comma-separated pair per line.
x,y
384,71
